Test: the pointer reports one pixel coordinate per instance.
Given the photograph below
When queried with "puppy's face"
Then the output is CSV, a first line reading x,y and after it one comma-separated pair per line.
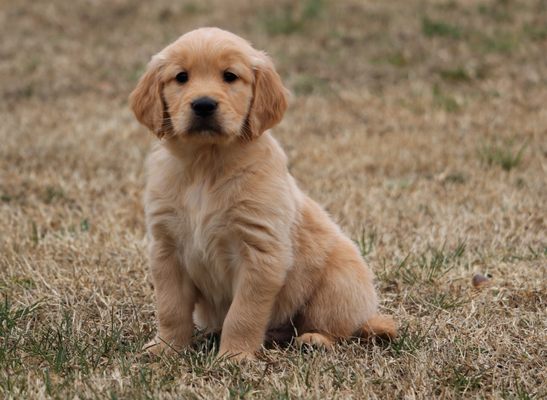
x,y
209,86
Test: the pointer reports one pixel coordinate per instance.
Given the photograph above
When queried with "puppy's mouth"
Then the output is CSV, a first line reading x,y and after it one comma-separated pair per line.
x,y
204,126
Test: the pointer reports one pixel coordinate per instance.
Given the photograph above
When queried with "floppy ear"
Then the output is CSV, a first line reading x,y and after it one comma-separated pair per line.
x,y
269,100
147,101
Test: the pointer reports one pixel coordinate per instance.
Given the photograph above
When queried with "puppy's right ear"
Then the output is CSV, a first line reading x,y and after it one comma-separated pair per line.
x,y
146,100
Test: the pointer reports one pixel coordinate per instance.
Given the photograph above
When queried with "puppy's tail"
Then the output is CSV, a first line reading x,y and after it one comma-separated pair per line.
x,y
382,326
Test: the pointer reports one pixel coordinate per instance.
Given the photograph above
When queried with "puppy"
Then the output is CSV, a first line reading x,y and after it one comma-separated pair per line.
x,y
235,246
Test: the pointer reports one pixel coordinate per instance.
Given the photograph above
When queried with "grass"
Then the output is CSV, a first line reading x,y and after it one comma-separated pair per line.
x,y
366,241
291,17
536,32
455,75
500,42
506,155
433,28
404,128
445,101
308,84
427,266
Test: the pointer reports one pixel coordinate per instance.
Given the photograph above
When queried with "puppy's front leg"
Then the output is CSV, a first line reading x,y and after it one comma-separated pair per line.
x,y
175,300
247,320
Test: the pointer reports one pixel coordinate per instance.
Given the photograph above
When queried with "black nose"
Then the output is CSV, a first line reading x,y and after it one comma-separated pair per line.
x,y
204,106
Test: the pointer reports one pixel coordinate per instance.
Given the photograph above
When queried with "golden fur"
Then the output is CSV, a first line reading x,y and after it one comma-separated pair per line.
x,y
235,246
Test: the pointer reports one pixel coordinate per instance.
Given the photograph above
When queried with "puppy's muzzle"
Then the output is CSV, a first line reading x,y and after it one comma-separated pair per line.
x,y
204,106
204,120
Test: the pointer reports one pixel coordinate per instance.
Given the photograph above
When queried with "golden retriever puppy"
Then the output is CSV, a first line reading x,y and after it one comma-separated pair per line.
x,y
235,246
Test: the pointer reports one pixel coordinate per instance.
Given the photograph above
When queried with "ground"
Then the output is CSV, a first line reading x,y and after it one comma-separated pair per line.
x,y
421,126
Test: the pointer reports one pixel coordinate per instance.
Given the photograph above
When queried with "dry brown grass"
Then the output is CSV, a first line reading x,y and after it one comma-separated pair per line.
x,y
421,126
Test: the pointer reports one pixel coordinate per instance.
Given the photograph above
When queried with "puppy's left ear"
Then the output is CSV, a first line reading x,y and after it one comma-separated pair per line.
x,y
270,97
146,100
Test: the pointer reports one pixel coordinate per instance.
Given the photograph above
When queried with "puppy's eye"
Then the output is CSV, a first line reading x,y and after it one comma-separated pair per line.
x,y
182,77
229,77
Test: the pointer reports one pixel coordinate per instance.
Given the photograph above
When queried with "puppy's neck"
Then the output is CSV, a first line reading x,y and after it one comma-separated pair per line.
x,y
210,161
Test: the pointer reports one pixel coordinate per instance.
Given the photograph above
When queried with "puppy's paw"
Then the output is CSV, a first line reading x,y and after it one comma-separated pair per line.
x,y
315,339
157,347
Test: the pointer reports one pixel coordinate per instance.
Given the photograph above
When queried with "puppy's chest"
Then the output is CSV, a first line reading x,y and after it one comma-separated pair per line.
x,y
203,242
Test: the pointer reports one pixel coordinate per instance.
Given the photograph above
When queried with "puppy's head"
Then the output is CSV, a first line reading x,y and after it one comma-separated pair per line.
x,y
209,86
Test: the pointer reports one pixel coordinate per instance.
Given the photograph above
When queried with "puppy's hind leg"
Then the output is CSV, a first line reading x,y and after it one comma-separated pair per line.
x,y
382,326
344,299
